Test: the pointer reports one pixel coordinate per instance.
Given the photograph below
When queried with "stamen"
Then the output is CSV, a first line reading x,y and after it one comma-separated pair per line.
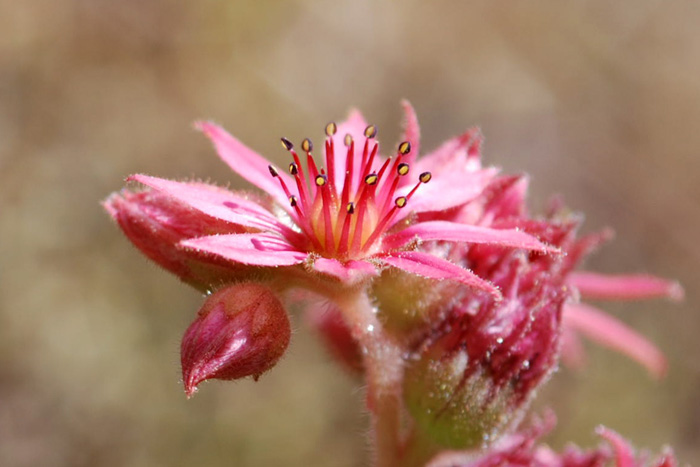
x,y
370,162
425,177
331,129
345,196
275,174
345,234
384,166
371,131
399,203
310,163
307,145
371,179
390,184
330,163
333,219
357,235
302,221
321,182
298,167
389,193
286,144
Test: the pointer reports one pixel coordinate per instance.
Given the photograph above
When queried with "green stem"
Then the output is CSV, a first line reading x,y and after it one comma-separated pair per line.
x,y
383,373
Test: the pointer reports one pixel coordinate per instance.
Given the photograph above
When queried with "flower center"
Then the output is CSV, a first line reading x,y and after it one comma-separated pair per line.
x,y
344,216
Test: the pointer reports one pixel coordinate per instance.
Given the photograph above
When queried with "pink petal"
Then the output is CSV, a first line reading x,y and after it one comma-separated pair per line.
x,y
352,271
411,133
452,152
433,267
257,249
610,332
246,162
354,126
624,456
572,351
447,190
453,232
216,202
624,287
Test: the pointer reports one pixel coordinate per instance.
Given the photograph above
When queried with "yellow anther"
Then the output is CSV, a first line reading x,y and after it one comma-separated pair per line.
x,y
350,208
293,168
321,180
347,140
404,148
400,201
273,171
307,145
371,131
286,144
331,128
293,200
371,179
403,169
425,177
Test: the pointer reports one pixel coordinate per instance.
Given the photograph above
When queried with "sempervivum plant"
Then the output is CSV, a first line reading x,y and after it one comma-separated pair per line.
x,y
424,274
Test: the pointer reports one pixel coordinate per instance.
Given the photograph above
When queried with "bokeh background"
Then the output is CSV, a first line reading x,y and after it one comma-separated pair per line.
x,y
597,100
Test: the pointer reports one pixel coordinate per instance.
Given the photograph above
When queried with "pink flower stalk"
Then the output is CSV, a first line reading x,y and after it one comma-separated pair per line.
x,y
340,217
242,330
523,449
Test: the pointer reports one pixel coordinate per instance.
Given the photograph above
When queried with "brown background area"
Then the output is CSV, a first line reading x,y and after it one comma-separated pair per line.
x,y
597,100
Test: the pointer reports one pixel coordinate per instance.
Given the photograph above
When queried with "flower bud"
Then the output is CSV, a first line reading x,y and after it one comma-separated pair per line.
x,y
242,330
475,373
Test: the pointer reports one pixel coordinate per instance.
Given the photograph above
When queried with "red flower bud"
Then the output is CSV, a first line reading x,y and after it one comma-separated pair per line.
x,y
475,373
242,330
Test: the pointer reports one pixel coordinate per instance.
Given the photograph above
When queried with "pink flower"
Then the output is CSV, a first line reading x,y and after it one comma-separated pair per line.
x,y
342,217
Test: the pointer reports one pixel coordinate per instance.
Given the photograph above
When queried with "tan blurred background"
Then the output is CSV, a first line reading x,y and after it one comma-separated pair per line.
x,y
597,100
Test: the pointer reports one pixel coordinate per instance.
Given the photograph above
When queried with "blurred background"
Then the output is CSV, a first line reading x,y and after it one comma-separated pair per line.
x,y
599,101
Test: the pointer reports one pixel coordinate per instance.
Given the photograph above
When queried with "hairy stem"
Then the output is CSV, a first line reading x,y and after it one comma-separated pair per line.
x,y
383,372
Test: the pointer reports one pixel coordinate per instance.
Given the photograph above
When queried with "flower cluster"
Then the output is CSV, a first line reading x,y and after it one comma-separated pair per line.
x,y
425,276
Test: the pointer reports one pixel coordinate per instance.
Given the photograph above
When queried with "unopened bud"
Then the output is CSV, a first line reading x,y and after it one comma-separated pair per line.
x,y
242,330
454,409
473,377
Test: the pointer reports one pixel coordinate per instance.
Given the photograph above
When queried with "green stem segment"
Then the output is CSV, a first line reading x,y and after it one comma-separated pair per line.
x,y
383,372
